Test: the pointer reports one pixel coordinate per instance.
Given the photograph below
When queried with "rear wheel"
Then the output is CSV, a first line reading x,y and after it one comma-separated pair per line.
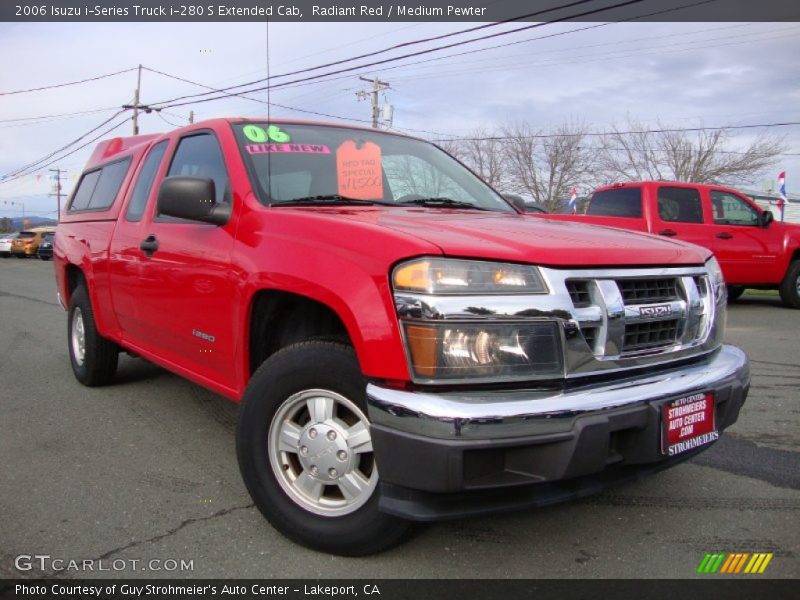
x,y
93,358
735,292
790,288
305,451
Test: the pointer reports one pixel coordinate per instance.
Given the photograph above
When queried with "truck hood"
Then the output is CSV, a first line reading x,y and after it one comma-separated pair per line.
x,y
521,238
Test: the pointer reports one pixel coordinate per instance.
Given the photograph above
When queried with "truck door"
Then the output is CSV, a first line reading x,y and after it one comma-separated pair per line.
x,y
125,256
679,215
747,252
188,286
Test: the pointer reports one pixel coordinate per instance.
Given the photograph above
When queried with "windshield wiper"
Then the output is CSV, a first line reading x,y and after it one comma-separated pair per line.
x,y
443,203
327,200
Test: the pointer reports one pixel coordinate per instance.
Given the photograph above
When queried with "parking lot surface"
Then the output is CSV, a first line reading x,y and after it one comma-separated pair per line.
x,y
145,469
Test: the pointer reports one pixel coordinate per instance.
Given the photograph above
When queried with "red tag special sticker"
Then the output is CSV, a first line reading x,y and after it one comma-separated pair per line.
x,y
358,170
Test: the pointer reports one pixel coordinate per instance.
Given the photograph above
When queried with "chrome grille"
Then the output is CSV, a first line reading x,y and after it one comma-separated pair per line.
x,y
621,317
648,291
590,335
579,292
649,335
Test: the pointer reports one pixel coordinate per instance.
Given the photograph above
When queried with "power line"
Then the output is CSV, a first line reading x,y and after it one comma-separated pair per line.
x,y
37,165
410,43
252,99
606,133
167,121
44,158
82,146
553,35
615,54
60,85
172,104
284,106
664,150
59,115
542,37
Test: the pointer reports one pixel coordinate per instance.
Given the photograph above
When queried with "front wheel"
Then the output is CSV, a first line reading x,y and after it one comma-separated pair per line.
x,y
790,287
305,451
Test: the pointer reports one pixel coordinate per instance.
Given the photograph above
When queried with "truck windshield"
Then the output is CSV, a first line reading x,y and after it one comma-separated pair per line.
x,y
319,164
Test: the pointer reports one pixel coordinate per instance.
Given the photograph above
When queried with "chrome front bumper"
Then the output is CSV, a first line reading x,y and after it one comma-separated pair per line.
x,y
493,415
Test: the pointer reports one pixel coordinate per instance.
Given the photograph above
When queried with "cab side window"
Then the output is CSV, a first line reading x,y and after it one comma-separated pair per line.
x,y
679,205
144,183
617,202
732,210
199,155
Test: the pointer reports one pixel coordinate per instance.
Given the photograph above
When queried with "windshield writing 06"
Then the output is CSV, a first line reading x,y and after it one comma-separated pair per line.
x,y
318,164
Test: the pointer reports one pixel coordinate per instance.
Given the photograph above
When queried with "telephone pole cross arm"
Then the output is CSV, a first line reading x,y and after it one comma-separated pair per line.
x,y
138,106
377,87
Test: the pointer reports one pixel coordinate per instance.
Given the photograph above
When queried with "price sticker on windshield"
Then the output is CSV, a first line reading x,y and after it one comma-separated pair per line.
x,y
358,170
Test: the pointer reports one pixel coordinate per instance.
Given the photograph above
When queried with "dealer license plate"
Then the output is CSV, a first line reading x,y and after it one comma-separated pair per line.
x,y
688,423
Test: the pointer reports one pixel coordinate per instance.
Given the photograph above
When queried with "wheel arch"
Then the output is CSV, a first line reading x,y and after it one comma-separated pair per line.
x,y
279,318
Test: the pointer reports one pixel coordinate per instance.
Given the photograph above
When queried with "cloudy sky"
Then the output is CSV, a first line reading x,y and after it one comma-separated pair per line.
x,y
681,75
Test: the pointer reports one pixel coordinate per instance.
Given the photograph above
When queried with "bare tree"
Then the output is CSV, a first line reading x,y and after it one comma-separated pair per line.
x,y
701,156
547,164
482,152
412,176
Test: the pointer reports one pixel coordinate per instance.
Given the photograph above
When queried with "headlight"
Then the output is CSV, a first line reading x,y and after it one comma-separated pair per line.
x,y
483,351
717,280
442,350
451,276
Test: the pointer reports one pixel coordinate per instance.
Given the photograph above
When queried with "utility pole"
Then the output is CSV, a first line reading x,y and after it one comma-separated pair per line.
x,y
377,87
137,106
191,117
136,101
58,190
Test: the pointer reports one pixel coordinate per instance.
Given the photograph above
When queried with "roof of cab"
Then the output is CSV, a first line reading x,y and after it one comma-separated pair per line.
x,y
689,184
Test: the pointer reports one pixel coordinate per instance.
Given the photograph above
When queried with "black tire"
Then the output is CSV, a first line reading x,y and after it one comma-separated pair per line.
x,y
100,356
735,292
20,255
790,287
309,365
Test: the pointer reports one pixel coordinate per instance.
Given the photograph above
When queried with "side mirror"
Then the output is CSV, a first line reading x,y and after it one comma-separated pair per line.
x,y
766,218
192,198
517,201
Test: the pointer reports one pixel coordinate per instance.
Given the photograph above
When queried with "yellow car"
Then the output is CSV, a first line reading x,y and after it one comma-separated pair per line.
x,y
26,244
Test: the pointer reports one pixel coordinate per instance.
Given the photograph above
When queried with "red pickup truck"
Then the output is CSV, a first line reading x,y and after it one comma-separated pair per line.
x,y
405,345
752,249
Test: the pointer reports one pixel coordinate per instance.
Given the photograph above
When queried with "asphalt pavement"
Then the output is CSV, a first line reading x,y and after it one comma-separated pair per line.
x,y
145,470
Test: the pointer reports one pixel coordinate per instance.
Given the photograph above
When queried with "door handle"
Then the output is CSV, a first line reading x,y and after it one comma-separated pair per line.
x,y
149,245
724,235
668,232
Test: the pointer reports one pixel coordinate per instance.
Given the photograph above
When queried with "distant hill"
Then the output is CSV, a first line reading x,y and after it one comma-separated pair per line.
x,y
16,222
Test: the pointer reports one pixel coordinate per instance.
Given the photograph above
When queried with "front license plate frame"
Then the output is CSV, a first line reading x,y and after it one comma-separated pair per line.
x,y
688,422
